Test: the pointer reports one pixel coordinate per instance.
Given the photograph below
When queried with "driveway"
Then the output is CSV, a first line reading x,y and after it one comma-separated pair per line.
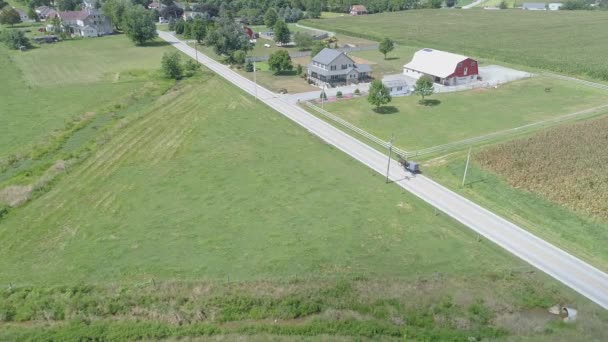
x,y
566,268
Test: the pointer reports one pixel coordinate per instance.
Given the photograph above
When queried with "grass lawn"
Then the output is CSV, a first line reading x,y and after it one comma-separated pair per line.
x,y
499,35
190,213
468,114
46,87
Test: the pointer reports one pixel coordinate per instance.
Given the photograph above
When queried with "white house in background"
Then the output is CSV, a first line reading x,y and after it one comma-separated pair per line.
x,y
86,23
396,84
555,6
443,67
534,6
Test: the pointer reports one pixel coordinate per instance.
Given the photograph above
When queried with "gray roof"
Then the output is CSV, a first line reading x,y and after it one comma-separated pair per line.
x,y
538,5
394,81
326,56
364,68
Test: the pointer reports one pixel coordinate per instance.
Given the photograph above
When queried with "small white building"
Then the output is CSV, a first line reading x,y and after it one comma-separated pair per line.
x,y
534,6
396,84
555,6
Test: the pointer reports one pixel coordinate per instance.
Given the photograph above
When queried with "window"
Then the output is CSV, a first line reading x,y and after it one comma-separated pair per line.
x,y
333,67
399,88
344,66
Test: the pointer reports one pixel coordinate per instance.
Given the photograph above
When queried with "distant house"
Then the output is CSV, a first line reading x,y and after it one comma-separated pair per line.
x,y
191,15
396,84
156,5
23,15
555,6
86,23
358,10
333,67
443,67
44,12
534,6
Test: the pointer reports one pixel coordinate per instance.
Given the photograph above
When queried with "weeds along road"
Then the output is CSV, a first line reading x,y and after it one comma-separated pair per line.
x,y
571,271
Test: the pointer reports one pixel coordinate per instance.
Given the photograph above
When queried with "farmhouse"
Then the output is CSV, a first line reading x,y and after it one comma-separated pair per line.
x,y
444,67
86,23
358,10
44,12
333,67
396,84
555,6
534,6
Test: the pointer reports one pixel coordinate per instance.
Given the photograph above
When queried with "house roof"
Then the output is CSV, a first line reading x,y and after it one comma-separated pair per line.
x,y
326,56
358,8
44,10
435,62
73,15
394,81
364,68
534,5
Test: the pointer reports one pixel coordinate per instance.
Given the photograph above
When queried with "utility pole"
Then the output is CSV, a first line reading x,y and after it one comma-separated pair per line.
x,y
323,97
255,80
195,52
466,168
390,152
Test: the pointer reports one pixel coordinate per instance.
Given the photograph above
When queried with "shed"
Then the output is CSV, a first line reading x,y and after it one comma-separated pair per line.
x,y
396,84
534,6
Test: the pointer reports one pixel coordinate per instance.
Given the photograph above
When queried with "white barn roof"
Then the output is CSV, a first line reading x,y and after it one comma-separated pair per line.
x,y
434,62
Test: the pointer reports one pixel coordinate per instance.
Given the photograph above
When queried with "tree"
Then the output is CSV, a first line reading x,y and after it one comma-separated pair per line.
x,y
239,57
115,10
14,39
314,8
31,13
280,61
9,16
138,24
166,2
171,11
281,32
171,65
3,4
198,29
303,40
227,37
424,87
450,3
386,45
67,5
270,18
503,5
436,3
378,94
299,70
317,47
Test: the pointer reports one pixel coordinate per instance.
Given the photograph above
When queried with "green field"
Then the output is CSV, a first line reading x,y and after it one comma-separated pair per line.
x,y
46,87
202,212
468,114
551,40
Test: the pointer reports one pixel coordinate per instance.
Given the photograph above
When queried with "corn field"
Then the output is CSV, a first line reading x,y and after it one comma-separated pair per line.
x,y
567,165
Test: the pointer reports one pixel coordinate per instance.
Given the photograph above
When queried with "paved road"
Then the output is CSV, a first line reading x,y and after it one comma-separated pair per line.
x,y
571,271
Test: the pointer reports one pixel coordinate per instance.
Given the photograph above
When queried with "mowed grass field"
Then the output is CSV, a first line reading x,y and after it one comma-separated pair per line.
x,y
563,41
468,114
46,87
210,214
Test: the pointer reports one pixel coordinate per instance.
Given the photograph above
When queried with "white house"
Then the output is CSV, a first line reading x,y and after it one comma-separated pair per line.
x,y
555,6
86,23
396,84
443,67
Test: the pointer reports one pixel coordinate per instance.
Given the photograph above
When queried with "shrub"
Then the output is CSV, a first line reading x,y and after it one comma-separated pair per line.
x,y
339,94
171,65
249,66
357,91
238,57
14,39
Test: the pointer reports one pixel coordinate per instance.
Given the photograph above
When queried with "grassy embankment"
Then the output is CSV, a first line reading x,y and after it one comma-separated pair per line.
x,y
207,213
557,42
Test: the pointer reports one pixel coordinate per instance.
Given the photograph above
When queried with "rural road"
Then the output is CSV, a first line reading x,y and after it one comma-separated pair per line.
x,y
571,271
473,4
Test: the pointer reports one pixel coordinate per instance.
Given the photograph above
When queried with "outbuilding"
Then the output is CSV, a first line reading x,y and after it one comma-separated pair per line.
x,y
396,84
534,6
358,10
555,6
443,67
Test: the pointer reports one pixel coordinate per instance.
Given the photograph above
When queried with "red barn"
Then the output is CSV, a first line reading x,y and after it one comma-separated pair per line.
x,y
249,32
444,67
